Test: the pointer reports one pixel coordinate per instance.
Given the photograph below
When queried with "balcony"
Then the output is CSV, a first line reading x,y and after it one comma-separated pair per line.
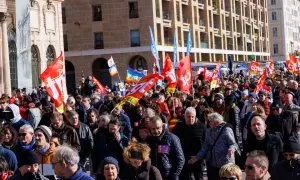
x,y
167,22
228,33
201,4
216,31
226,13
237,17
185,2
215,11
185,24
204,45
202,26
238,34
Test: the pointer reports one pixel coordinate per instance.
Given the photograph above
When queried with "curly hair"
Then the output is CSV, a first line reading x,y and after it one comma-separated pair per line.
x,y
134,145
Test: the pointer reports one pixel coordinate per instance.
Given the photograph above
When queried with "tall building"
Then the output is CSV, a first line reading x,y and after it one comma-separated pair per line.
x,y
95,30
284,29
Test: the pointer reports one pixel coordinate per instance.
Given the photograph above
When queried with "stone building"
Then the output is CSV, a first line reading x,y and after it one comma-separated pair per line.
x,y
95,30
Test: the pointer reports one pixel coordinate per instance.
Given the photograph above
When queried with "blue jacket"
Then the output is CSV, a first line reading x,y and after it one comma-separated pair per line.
x,y
80,175
10,158
167,154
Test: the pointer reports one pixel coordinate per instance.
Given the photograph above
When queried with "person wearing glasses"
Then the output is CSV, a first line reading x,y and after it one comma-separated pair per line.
x,y
230,171
289,168
26,140
256,166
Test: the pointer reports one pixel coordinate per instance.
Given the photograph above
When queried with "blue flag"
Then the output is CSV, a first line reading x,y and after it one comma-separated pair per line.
x,y
189,43
133,75
175,51
154,50
230,64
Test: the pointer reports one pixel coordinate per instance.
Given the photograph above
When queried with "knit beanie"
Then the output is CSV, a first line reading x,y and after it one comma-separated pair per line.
x,y
28,158
293,144
46,131
109,160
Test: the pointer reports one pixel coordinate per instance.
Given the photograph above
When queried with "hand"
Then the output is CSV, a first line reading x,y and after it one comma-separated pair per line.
x,y
118,136
230,152
192,160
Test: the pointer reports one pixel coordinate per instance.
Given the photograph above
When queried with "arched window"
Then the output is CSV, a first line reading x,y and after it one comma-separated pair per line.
x,y
139,63
36,66
50,54
13,63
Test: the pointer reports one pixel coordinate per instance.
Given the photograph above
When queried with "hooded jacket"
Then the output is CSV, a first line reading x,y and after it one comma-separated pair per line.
x,y
17,121
167,154
289,170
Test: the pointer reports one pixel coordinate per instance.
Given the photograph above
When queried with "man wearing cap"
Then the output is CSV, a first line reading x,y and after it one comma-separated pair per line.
x,y
264,101
43,149
218,103
28,168
275,119
289,168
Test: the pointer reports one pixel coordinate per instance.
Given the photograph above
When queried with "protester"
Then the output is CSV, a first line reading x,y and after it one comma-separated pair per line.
x,y
65,164
138,163
109,169
26,140
4,171
10,136
17,121
230,171
256,166
9,155
28,167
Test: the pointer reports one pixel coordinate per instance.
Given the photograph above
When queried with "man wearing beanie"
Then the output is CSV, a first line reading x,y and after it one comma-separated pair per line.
x,y
43,149
109,169
289,169
28,167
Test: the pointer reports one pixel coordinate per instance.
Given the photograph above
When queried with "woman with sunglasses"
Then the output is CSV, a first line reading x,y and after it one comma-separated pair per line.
x,y
138,164
230,171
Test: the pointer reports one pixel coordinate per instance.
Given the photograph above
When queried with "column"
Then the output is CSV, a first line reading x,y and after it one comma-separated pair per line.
x,y
5,52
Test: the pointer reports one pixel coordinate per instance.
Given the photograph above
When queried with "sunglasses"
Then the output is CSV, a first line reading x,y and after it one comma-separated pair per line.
x,y
249,167
228,178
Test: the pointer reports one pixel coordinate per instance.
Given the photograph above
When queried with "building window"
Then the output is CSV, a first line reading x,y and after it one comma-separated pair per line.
x,y
13,64
97,13
274,16
50,54
275,48
274,31
135,37
98,40
273,2
64,18
133,10
66,48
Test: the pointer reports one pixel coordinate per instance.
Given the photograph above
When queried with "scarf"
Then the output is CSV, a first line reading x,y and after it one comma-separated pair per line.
x,y
29,146
44,150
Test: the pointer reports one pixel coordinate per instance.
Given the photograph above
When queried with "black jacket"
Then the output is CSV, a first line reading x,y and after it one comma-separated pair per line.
x,y
167,154
286,170
191,137
86,140
145,172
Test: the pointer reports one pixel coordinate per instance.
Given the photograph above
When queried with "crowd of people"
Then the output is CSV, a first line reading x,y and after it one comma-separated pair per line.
x,y
218,133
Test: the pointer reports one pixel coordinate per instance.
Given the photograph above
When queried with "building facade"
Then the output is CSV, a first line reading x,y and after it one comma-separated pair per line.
x,y
284,28
96,30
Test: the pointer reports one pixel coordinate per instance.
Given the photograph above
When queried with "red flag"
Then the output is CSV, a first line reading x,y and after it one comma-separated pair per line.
x,y
99,87
184,75
169,73
52,78
215,76
254,68
261,82
271,67
292,65
154,66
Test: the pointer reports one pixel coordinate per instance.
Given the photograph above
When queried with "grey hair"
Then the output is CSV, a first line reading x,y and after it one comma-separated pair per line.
x,y
190,110
71,100
215,117
106,118
156,119
27,128
259,157
68,155
150,112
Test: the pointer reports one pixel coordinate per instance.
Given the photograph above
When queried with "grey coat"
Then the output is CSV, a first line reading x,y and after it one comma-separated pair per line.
x,y
217,156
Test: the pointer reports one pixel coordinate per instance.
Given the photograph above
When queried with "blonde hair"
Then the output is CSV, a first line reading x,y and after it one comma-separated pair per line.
x,y
230,169
134,145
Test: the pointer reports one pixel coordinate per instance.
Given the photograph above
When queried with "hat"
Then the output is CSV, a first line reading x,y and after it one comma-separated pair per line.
x,y
219,96
109,160
28,158
293,144
277,104
253,95
47,131
262,93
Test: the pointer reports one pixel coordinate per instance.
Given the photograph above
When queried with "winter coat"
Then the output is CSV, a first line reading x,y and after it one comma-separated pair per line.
x,y
290,123
80,175
126,127
284,170
68,135
218,155
10,158
86,140
18,176
191,137
167,154
47,156
145,172
82,112
20,147
271,145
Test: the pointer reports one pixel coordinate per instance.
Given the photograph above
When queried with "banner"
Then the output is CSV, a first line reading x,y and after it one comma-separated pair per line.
x,y
169,73
52,78
292,65
138,91
175,51
99,87
184,75
189,43
112,67
261,82
133,76
254,68
154,50
271,68
215,76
